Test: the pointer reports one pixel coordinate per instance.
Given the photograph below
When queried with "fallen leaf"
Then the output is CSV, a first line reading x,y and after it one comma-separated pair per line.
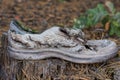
x,y
107,26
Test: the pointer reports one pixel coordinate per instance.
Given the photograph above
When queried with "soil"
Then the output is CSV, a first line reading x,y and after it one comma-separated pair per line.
x,y
42,14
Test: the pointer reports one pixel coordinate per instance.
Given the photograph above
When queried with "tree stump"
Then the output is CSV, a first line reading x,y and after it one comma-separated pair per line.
x,y
47,69
117,74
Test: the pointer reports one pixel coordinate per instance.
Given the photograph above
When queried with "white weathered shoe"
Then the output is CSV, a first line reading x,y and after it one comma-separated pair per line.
x,y
67,44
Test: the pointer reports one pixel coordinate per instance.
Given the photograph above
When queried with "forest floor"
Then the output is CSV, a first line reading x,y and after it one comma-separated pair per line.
x,y
42,14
